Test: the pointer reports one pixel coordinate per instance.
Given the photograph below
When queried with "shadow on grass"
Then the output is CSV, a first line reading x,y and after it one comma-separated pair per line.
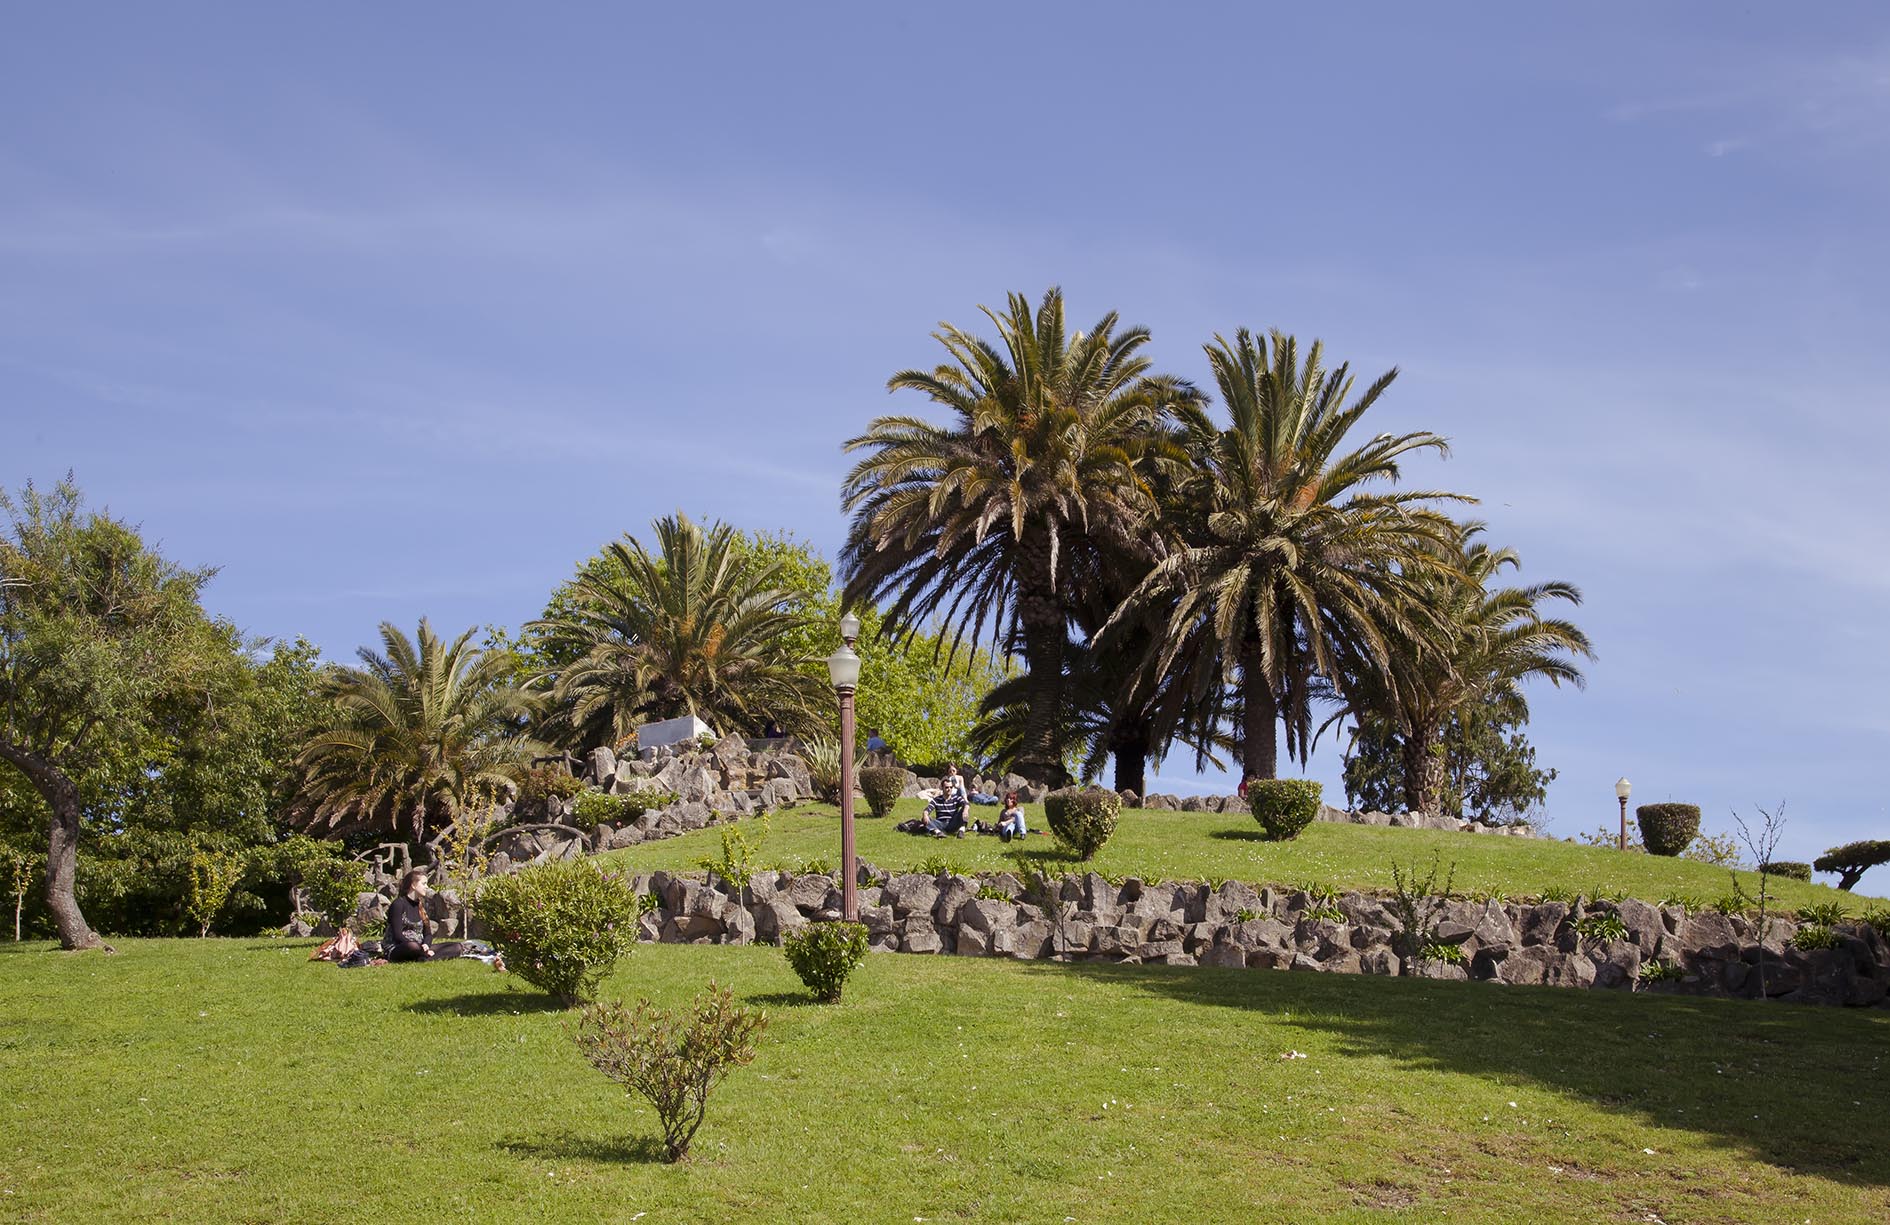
x,y
1239,835
1781,1083
569,1146
487,1004
782,999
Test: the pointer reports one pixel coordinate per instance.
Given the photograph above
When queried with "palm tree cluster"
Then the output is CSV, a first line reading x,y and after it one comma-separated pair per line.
x,y
1173,575
430,730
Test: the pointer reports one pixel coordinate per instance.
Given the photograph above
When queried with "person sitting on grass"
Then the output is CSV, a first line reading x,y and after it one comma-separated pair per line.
x,y
407,937
1010,822
946,813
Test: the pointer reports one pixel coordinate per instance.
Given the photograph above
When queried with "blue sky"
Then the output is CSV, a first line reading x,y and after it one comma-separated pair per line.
x,y
395,311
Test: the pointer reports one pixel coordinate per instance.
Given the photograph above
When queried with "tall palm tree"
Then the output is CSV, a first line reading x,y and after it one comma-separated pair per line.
x,y
980,521
698,627
421,734
1481,642
1284,564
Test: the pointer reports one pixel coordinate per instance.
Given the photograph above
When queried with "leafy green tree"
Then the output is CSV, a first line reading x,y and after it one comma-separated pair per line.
x,y
1850,861
1489,770
1285,565
983,523
1479,644
700,627
419,734
101,641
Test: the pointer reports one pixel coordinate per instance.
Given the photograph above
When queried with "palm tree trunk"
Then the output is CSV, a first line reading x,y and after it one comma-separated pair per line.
x,y
62,852
1259,743
1129,745
1046,633
1423,772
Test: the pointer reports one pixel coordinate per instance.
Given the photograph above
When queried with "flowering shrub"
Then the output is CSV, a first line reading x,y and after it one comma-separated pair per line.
x,y
825,955
561,926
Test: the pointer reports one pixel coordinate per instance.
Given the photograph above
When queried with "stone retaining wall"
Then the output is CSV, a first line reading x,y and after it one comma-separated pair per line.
x,y
1237,926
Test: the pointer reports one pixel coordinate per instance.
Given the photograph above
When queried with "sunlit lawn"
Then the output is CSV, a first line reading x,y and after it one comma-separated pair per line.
x,y
232,1080
1198,846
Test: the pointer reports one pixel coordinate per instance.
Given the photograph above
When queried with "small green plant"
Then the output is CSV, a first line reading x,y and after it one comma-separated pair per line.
x,y
213,877
649,902
936,865
546,782
1284,807
736,863
818,865
1083,819
1597,895
1246,915
822,757
633,804
1815,936
674,1060
1692,903
1415,902
1444,951
882,786
1483,897
991,893
706,741
825,956
1600,925
1322,902
1668,828
1830,914
561,926
593,807
1659,972
1559,893
1733,904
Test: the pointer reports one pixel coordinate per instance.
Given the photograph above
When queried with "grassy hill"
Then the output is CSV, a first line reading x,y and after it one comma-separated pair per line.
x,y
232,1080
1200,846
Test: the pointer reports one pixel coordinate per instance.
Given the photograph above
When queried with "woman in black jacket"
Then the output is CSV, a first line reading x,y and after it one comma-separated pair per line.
x,y
407,937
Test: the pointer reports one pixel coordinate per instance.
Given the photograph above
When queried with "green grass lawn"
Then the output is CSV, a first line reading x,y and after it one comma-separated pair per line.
x,y
232,1080
1197,846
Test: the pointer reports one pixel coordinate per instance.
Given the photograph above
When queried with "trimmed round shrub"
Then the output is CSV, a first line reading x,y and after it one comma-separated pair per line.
x,y
1667,829
1284,806
882,786
1790,869
825,956
1082,818
561,926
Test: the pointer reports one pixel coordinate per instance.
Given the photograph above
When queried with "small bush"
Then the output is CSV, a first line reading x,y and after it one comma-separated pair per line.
x,y
1284,806
1814,936
672,1059
1246,915
882,786
213,877
332,887
1877,917
593,807
738,862
1828,913
818,865
1444,951
1720,850
1790,869
1559,893
936,865
1601,925
542,782
1083,819
991,893
1667,829
825,955
1659,972
822,758
562,926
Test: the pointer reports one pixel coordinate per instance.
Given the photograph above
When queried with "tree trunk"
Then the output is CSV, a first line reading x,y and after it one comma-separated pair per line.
x,y
1046,634
1259,743
1130,747
62,851
1423,773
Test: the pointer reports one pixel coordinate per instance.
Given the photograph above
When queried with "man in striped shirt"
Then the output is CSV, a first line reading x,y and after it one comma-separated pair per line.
x,y
946,813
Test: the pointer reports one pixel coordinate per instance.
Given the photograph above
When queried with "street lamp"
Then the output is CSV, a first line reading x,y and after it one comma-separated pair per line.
x,y
843,668
1621,789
